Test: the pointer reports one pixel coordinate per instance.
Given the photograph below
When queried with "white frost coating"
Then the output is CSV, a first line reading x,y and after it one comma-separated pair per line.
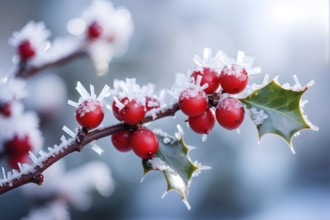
x,y
292,149
200,168
180,132
117,29
158,164
55,210
214,62
186,203
166,140
204,137
297,87
11,126
68,131
257,117
35,32
12,89
99,150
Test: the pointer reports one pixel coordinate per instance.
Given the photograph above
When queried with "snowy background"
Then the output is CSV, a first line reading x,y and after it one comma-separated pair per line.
x,y
248,181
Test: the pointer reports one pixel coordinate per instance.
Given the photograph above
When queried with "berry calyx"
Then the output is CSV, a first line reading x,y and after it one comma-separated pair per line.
x,y
209,76
5,109
18,145
122,140
144,143
94,31
152,103
193,102
233,79
13,160
25,50
90,114
230,113
132,113
204,123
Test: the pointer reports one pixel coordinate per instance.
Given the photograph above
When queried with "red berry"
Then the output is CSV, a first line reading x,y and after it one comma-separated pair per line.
x,y
18,145
122,140
230,113
204,123
13,160
115,109
132,113
193,102
234,79
144,143
209,76
90,114
152,103
5,109
25,50
94,31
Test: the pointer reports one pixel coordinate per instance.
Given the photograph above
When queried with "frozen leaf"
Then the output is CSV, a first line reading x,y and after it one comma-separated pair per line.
x,y
277,110
173,161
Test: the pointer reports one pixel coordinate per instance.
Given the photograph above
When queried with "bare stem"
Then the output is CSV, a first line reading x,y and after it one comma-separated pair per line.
x,y
25,70
82,139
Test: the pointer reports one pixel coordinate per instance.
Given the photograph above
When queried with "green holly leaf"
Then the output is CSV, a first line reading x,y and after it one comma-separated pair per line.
x,y
173,161
278,109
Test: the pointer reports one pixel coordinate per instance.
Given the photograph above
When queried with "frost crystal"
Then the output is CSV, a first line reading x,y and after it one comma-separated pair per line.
x,y
35,32
91,99
214,62
258,117
158,164
117,28
12,89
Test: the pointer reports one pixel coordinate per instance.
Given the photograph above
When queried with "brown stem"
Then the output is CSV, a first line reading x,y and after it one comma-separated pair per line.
x,y
25,70
82,139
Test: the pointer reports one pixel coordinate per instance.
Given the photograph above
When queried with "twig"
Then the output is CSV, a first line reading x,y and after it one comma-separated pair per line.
x,y
82,139
25,70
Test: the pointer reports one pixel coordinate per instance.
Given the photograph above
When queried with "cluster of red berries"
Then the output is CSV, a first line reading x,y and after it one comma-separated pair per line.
x,y
142,141
196,102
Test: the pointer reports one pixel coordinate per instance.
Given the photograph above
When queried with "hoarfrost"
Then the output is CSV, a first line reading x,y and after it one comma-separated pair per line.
x,y
158,164
258,117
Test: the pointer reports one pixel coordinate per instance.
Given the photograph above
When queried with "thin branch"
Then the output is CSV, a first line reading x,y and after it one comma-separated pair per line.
x,y
82,139
25,70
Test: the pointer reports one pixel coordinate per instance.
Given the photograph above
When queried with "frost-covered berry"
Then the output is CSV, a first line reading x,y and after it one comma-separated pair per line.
x,y
5,109
193,102
209,76
13,160
18,145
94,30
234,79
132,113
90,114
25,50
151,103
204,123
230,113
144,143
122,140
115,109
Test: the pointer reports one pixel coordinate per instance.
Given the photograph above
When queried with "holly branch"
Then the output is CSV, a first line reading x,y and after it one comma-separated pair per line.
x,y
83,137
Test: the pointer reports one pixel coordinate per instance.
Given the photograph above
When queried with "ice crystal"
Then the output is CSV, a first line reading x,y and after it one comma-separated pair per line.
x,y
91,98
214,62
35,32
258,117
158,164
117,28
12,89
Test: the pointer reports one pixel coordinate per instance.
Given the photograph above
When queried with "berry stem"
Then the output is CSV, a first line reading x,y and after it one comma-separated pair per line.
x,y
25,70
82,139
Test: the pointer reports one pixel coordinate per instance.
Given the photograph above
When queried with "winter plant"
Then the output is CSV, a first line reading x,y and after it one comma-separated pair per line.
x,y
217,90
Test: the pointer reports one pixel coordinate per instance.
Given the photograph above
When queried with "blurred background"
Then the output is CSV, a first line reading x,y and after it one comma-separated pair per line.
x,y
248,180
